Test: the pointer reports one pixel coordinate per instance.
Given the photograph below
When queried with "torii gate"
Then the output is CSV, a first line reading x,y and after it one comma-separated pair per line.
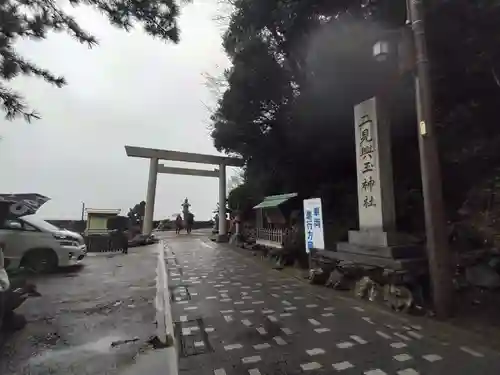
x,y
154,155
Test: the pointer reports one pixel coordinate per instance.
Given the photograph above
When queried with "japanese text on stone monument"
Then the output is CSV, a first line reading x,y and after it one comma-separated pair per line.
x,y
367,162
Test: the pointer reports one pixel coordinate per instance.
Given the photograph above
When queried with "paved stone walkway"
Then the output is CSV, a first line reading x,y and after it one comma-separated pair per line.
x,y
236,317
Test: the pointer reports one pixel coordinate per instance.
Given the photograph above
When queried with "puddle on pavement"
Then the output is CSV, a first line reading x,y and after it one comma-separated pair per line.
x,y
101,346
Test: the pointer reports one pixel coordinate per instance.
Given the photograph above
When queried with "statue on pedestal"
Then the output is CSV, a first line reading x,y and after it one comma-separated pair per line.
x,y
187,216
185,208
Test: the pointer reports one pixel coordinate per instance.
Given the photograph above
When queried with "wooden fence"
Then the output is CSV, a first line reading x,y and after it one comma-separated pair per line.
x,y
105,242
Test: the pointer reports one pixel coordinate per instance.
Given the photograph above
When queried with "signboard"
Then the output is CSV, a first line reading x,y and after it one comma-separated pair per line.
x,y
313,224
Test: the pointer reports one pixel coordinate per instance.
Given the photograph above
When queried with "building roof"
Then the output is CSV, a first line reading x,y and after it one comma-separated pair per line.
x,y
275,200
102,211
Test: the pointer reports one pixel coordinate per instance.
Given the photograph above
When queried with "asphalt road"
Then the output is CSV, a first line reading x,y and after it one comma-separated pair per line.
x,y
234,316
83,311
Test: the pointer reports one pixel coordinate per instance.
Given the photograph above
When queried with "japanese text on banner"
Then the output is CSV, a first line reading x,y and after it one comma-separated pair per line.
x,y
313,223
309,230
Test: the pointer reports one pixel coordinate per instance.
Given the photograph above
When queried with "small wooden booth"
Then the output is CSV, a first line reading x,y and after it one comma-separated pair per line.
x,y
272,219
97,220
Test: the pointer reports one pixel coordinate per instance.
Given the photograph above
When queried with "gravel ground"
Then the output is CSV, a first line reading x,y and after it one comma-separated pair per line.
x,y
83,311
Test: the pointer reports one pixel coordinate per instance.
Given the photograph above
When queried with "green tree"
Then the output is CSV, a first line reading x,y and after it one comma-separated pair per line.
x,y
20,19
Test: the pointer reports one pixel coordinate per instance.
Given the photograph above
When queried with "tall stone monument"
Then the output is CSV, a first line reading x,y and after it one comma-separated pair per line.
x,y
377,219
375,182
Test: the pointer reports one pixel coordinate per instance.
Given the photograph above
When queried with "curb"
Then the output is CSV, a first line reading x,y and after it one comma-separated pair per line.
x,y
164,321
164,359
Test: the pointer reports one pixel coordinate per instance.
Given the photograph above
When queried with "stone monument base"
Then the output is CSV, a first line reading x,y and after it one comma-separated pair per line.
x,y
372,247
409,251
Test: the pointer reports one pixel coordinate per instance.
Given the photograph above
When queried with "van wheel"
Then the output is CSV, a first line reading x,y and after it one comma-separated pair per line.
x,y
40,261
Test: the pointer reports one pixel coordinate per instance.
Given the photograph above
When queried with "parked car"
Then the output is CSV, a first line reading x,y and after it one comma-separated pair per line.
x,y
12,295
35,244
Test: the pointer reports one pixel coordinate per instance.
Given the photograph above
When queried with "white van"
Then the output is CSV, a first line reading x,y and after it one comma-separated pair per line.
x,y
36,244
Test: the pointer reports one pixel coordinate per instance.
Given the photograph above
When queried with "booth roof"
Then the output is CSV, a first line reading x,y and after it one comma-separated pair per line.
x,y
275,200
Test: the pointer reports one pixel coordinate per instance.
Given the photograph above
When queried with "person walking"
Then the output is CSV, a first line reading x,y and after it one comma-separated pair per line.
x,y
124,241
178,224
190,222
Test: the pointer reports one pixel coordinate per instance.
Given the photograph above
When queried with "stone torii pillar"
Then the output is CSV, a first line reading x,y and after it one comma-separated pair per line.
x,y
222,237
155,155
147,225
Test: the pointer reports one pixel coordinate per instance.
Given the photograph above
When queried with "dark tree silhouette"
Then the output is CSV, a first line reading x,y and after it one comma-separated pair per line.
x,y
300,66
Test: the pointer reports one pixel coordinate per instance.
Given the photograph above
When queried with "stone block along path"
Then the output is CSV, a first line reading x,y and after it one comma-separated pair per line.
x,y
234,316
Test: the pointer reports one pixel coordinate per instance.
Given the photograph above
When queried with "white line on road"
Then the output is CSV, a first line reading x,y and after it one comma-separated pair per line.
x,y
471,352
342,366
322,330
310,366
233,347
315,351
398,345
345,345
375,372
383,334
252,359
408,371
262,346
358,339
402,357
406,338
279,340
415,335
262,330
432,357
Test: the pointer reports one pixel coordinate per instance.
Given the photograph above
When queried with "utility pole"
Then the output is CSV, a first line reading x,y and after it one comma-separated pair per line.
x,y
438,252
83,210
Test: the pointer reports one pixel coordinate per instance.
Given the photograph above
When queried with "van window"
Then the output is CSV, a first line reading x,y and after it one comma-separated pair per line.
x,y
15,224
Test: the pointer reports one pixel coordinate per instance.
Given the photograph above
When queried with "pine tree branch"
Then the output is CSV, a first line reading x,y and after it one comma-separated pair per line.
x,y
13,105
21,19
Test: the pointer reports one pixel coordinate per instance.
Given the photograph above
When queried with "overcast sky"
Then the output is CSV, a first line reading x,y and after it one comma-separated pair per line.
x,y
130,89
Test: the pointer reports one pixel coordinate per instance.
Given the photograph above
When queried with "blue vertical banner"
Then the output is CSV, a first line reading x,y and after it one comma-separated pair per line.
x,y
313,224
